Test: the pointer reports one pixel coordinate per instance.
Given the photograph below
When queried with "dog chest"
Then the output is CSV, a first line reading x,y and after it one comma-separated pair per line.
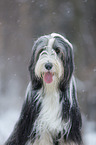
x,y
49,118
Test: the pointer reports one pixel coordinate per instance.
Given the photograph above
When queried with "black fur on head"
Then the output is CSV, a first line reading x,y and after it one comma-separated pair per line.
x,y
66,56
64,51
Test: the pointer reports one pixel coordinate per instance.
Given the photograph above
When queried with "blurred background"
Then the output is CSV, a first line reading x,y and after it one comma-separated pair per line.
x,y
21,23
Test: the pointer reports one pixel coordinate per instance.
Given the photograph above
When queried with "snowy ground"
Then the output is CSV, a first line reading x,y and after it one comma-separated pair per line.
x,y
7,121
10,106
89,136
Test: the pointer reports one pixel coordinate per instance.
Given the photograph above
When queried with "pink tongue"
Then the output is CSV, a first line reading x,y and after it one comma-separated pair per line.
x,y
48,77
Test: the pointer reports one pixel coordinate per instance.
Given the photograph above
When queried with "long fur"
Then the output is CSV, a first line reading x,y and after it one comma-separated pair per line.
x,y
50,114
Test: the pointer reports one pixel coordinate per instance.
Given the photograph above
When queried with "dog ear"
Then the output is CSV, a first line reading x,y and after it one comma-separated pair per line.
x,y
36,81
68,63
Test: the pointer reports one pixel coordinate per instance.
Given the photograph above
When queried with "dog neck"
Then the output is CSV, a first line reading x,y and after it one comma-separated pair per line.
x,y
50,88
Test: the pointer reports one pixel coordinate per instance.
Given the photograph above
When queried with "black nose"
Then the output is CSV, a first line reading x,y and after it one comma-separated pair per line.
x,y
48,66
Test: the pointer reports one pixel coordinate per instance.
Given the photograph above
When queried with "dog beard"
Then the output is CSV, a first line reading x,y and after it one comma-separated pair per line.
x,y
54,74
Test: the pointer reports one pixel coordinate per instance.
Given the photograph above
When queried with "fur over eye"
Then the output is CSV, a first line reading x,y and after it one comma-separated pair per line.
x,y
57,50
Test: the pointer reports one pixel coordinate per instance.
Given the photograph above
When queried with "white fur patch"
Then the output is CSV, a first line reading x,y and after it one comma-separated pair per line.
x,y
72,81
50,44
45,139
28,90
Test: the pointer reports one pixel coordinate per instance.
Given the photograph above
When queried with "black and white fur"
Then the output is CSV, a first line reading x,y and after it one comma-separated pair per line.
x,y
50,113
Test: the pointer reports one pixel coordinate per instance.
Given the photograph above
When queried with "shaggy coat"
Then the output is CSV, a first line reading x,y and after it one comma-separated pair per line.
x,y
50,114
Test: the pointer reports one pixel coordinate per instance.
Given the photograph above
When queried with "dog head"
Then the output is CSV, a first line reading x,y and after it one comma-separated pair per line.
x,y
51,61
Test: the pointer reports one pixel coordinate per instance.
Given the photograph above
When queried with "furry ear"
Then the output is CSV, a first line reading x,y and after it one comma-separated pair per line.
x,y
36,81
68,62
67,59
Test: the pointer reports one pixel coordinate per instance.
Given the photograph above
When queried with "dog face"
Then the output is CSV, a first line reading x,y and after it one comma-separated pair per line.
x,y
49,66
52,61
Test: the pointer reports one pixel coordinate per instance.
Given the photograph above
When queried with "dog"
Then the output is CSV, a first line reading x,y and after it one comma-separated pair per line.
x,y
50,114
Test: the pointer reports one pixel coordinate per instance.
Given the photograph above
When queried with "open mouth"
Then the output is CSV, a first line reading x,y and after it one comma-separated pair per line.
x,y
48,77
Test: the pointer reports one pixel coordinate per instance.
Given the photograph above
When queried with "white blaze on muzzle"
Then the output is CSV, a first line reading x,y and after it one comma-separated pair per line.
x,y
49,56
50,45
